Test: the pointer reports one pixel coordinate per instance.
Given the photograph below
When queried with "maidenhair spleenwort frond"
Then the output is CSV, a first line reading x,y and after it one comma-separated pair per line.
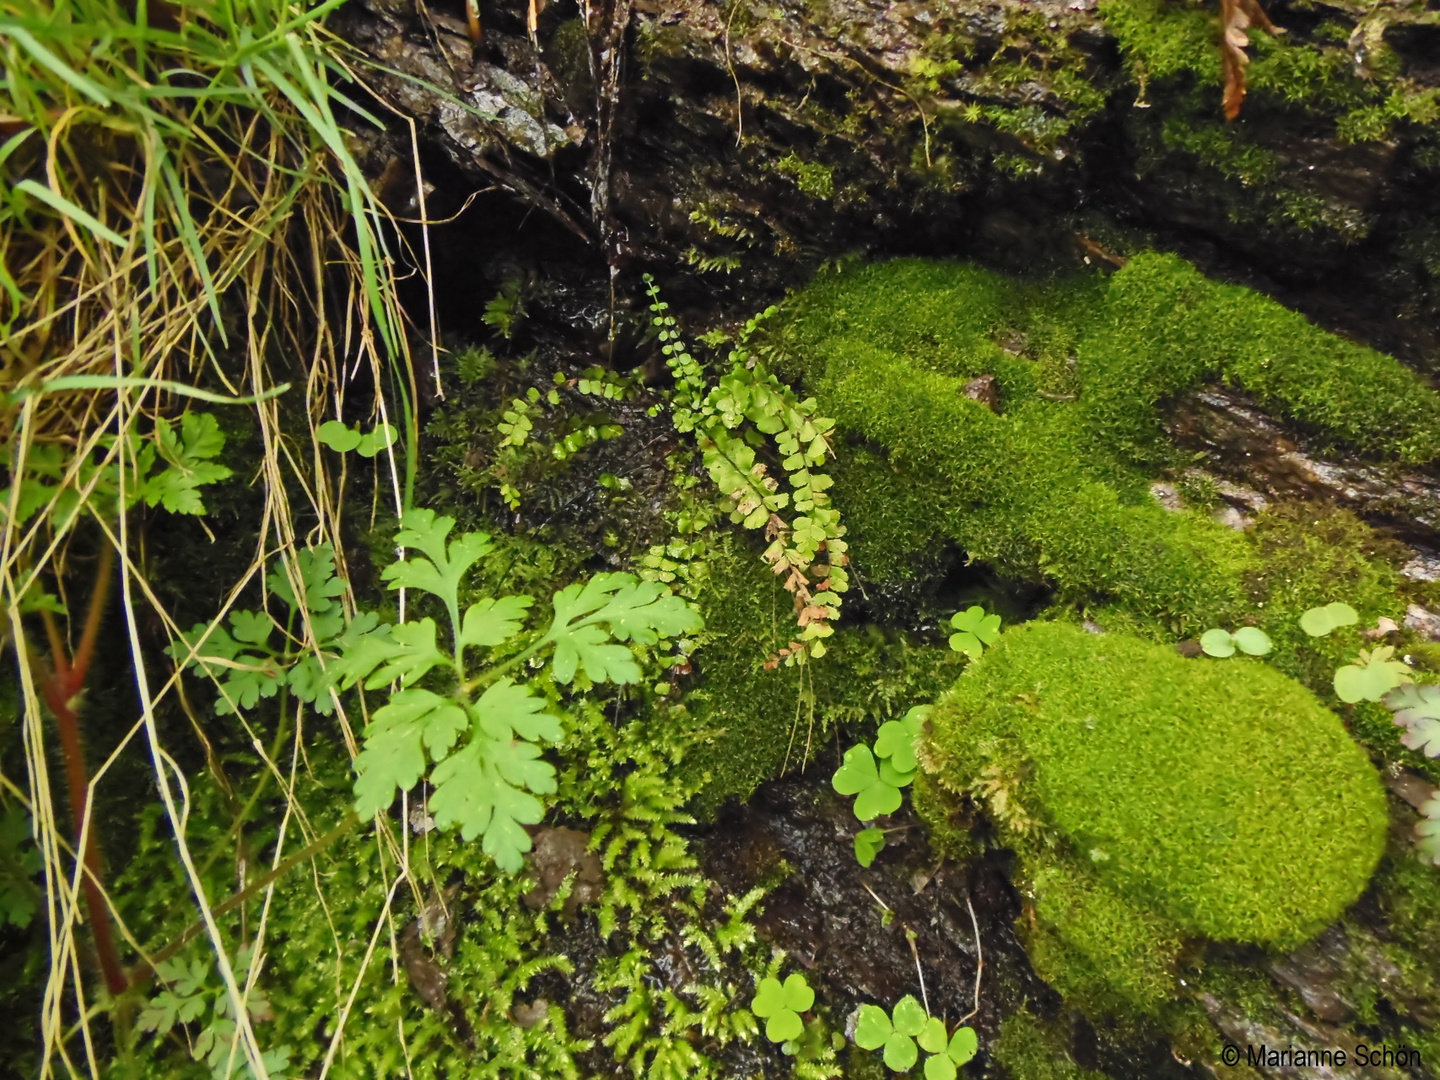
x,y
746,408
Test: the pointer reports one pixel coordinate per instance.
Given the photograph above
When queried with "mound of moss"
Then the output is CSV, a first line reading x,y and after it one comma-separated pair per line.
x,y
1054,484
1155,798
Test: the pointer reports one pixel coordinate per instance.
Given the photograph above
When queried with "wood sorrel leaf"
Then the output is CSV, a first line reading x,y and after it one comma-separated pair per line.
x,y
872,1028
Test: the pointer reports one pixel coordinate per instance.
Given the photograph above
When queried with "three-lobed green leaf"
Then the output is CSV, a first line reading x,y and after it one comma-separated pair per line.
x,y
780,1005
877,789
974,630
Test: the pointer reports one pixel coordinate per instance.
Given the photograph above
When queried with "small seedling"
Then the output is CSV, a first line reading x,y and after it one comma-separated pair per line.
x,y
896,739
1372,676
1250,640
868,844
1319,621
877,786
898,1034
780,1005
343,439
1417,710
973,631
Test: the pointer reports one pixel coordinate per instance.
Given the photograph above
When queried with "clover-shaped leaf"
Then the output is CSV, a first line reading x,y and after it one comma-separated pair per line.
x,y
780,1005
1417,710
877,790
896,739
940,1067
1319,621
1374,676
974,630
868,844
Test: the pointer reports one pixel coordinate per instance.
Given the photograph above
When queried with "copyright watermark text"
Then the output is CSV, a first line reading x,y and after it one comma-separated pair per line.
x,y
1309,1057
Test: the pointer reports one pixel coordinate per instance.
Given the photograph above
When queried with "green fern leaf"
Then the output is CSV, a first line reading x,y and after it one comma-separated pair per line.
x,y
396,739
441,572
410,653
618,605
479,789
491,622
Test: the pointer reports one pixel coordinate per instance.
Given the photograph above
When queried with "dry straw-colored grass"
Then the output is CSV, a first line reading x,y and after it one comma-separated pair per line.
x,y
180,209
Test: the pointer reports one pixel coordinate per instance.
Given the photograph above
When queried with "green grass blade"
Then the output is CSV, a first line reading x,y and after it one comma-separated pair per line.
x,y
62,205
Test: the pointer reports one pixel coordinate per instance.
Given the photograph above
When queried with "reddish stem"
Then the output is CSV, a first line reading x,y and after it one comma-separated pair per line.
x,y
60,689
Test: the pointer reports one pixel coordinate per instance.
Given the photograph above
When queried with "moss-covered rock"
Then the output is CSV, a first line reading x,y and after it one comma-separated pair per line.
x,y
756,721
1054,485
1155,798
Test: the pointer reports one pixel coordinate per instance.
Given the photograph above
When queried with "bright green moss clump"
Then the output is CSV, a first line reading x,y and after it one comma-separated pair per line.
x,y
1163,328
1155,798
1055,486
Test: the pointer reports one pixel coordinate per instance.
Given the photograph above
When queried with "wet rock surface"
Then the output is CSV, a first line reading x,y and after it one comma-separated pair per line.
x,y
736,148
1244,444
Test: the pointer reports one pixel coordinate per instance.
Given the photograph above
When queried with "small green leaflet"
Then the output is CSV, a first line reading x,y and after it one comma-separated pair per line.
x,y
1250,640
974,630
877,789
396,739
410,652
19,863
188,465
1374,676
1319,621
1417,710
480,789
316,570
341,438
868,844
631,609
243,677
491,622
780,1005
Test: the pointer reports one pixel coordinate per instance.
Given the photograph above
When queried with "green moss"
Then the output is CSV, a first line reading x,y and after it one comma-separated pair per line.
x,y
1217,800
758,722
1094,946
1164,328
1056,489
1032,1050
811,177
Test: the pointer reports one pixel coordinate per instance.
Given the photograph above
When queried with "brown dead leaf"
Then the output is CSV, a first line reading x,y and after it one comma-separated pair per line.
x,y
1237,16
